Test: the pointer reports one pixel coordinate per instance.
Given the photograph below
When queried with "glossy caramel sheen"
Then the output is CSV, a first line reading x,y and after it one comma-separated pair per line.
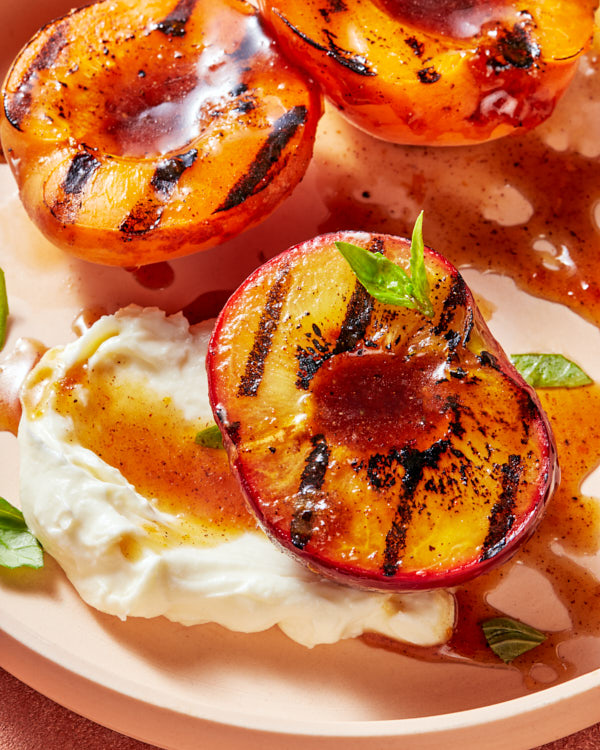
x,y
368,398
148,440
437,73
548,243
571,521
139,132
456,18
383,448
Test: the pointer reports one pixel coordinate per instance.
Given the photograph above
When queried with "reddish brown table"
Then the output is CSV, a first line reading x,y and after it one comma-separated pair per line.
x,y
30,721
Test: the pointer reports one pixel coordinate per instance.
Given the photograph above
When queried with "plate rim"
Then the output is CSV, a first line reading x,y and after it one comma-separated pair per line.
x,y
491,718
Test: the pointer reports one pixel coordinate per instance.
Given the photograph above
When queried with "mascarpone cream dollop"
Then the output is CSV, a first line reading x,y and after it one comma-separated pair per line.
x,y
129,553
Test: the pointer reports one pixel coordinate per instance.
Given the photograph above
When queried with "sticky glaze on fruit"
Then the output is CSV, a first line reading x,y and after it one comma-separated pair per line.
x,y
139,132
443,72
383,448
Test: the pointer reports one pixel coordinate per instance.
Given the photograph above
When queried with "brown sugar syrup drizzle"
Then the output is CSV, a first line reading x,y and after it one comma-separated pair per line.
x,y
563,189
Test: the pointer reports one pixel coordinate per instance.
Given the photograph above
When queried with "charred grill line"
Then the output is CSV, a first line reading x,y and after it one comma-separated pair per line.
x,y
414,463
81,170
428,75
395,540
333,6
527,413
356,63
469,323
311,481
416,46
263,338
456,298
380,469
146,215
68,203
17,105
356,320
174,24
516,48
353,330
168,172
453,405
502,516
143,217
269,153
487,359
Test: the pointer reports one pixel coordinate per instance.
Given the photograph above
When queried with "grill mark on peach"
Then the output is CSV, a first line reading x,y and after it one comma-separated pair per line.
x,y
17,105
513,52
502,516
257,176
311,482
356,63
168,172
487,359
331,8
146,215
454,406
356,320
414,462
66,207
516,48
174,24
428,75
353,330
457,298
263,338
81,170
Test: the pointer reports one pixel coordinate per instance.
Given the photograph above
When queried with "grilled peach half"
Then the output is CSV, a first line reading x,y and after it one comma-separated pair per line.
x,y
141,131
383,447
437,71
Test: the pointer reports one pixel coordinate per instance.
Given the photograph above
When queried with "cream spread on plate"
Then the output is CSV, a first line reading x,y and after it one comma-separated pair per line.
x,y
135,536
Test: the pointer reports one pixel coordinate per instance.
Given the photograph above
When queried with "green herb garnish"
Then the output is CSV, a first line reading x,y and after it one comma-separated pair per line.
x,y
18,546
510,638
3,309
210,437
386,281
550,371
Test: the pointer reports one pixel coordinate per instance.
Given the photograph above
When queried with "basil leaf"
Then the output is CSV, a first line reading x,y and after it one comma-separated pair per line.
x,y
418,271
3,309
383,279
387,282
18,546
550,371
510,638
210,437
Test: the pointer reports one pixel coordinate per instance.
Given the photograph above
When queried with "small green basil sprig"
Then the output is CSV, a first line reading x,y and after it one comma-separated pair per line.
x,y
18,546
550,371
387,282
210,437
510,638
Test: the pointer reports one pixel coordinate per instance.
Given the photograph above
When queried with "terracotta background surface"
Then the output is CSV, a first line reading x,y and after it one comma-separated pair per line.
x,y
30,721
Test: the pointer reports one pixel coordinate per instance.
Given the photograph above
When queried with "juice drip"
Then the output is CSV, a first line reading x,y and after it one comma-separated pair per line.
x,y
153,445
516,206
569,530
13,371
154,275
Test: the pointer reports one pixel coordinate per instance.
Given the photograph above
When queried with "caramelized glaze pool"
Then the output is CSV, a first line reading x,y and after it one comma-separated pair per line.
x,y
526,207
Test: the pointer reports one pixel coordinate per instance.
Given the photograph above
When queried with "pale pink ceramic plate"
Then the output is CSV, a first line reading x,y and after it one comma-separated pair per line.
x,y
183,687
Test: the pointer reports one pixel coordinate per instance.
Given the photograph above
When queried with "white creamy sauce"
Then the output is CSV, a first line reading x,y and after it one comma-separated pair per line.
x,y
88,516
